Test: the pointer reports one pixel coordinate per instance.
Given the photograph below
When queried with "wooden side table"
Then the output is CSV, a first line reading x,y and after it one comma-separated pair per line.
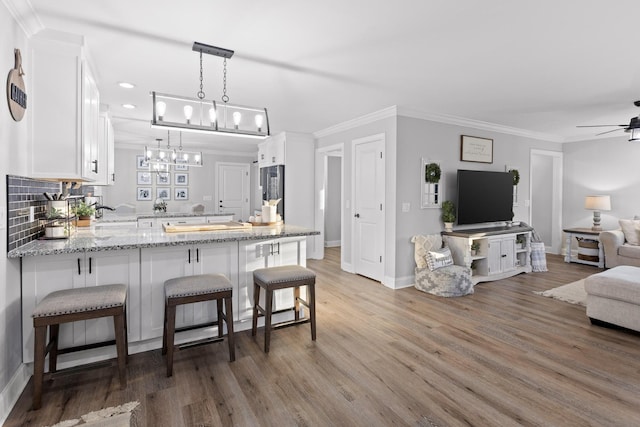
x,y
584,233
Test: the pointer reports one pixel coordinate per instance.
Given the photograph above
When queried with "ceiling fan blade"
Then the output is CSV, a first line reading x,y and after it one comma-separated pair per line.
x,y
598,126
609,131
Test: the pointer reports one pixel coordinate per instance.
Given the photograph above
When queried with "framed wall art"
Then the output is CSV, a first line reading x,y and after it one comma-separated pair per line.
x,y
179,166
181,178
144,178
475,149
143,193
141,163
181,194
163,178
163,193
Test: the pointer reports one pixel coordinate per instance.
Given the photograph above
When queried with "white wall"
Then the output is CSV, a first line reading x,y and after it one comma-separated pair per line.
x,y
332,219
605,166
202,181
13,160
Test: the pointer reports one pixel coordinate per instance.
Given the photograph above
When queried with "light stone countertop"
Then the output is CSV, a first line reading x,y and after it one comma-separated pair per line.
x,y
127,217
93,239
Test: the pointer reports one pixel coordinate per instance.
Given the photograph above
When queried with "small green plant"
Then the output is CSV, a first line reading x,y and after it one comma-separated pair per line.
x,y
516,176
54,213
475,246
84,210
448,211
432,173
521,239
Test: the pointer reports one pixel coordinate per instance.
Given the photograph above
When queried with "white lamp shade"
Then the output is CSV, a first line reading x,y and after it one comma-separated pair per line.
x,y
598,203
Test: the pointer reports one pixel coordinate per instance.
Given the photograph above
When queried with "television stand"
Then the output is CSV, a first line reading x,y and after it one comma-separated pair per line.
x,y
502,251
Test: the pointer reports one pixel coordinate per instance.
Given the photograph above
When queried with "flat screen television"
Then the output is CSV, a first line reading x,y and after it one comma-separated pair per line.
x,y
484,196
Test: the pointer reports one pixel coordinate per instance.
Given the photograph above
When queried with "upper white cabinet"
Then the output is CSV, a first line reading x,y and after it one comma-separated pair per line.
x,y
272,151
106,151
65,109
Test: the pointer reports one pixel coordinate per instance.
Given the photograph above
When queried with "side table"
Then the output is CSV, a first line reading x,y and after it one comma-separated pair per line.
x,y
584,233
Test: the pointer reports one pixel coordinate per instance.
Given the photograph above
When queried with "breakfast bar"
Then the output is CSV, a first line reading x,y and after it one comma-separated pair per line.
x,y
142,259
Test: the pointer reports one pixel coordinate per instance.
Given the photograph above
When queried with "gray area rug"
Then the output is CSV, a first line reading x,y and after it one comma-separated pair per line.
x,y
117,416
572,293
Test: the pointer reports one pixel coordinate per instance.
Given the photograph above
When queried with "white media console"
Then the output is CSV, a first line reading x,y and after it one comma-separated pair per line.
x,y
502,251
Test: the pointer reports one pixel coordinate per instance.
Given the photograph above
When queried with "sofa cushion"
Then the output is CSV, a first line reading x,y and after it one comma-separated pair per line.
x,y
439,258
629,251
631,230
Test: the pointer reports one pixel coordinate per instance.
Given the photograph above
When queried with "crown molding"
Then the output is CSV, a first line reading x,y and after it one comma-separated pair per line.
x,y
357,122
477,124
24,14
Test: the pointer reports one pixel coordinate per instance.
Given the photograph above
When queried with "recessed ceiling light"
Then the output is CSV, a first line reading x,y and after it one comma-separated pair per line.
x,y
129,106
126,85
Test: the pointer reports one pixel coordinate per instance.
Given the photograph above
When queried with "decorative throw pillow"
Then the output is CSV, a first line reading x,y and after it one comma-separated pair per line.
x,y
424,244
631,230
439,258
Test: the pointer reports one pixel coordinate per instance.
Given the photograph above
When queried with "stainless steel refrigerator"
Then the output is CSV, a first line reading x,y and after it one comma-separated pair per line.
x,y
272,183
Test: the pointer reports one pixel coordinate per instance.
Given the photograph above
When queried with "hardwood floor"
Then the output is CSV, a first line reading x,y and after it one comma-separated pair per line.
x,y
503,356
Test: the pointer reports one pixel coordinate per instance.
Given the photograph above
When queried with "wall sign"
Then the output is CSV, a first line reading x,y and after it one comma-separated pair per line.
x,y
475,149
16,93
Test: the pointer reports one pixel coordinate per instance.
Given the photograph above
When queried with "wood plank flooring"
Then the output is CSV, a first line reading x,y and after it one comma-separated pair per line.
x,y
501,357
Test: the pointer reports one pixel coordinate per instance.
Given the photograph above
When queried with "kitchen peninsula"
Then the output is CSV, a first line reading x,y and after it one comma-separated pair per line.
x,y
143,258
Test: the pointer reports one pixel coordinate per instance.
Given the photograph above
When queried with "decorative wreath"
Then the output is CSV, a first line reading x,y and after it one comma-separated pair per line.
x,y
516,176
432,173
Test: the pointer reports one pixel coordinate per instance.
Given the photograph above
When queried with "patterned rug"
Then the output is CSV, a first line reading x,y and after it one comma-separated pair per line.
x,y
116,416
573,293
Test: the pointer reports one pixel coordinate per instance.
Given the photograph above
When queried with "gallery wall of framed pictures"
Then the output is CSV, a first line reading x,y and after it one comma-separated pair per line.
x,y
168,185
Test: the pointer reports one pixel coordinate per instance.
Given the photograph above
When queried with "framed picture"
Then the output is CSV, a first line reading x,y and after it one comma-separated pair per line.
x,y
144,193
179,166
181,178
141,163
163,193
475,149
181,194
144,178
163,178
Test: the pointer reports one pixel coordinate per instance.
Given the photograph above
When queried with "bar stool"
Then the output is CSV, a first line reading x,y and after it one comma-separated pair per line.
x,y
71,305
191,289
274,278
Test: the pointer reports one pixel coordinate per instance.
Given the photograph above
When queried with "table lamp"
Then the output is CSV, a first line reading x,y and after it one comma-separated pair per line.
x,y
597,204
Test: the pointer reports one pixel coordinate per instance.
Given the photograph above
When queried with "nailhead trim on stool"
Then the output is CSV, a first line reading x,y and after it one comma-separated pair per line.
x,y
71,305
191,289
274,278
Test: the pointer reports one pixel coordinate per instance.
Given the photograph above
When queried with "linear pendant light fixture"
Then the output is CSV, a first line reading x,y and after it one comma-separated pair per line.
x,y
160,159
207,116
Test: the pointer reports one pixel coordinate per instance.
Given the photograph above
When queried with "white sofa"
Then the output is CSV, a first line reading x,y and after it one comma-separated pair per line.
x,y
618,250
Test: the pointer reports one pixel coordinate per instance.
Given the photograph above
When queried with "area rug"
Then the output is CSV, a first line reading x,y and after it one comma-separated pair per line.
x,y
116,416
572,293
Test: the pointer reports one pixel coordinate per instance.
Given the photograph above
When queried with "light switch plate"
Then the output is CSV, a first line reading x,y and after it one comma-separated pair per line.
x,y
207,198
406,207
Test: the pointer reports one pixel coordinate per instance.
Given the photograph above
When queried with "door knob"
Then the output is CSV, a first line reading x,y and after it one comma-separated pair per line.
x,y
357,215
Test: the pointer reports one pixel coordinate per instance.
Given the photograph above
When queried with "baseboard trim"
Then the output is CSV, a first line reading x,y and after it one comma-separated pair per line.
x,y
13,390
332,243
398,283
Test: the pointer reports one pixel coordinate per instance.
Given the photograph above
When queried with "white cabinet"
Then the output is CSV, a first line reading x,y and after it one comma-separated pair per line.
x,y
492,253
65,109
44,274
106,151
262,254
272,151
168,262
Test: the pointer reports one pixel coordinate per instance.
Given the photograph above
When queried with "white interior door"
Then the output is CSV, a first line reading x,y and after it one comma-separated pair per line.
x,y
368,207
546,197
233,190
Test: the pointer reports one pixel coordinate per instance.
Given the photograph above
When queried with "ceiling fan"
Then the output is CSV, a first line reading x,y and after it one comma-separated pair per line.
x,y
633,126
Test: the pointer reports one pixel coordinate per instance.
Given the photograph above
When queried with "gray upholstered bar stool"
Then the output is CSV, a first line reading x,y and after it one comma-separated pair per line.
x,y
191,289
71,305
274,278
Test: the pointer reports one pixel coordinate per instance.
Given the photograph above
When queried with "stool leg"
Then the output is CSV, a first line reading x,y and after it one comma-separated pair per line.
x,y
220,317
296,303
228,317
164,330
38,364
312,309
126,336
267,319
121,347
171,330
256,300
54,332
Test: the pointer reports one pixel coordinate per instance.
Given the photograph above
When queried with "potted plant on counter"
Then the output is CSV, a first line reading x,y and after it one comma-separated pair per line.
x,y
84,212
448,214
55,228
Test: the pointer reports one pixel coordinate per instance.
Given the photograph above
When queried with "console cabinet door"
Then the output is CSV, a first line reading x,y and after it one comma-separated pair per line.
x,y
502,253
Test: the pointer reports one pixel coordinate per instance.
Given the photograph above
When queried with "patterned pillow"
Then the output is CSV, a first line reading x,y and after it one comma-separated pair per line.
x,y
438,259
424,244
